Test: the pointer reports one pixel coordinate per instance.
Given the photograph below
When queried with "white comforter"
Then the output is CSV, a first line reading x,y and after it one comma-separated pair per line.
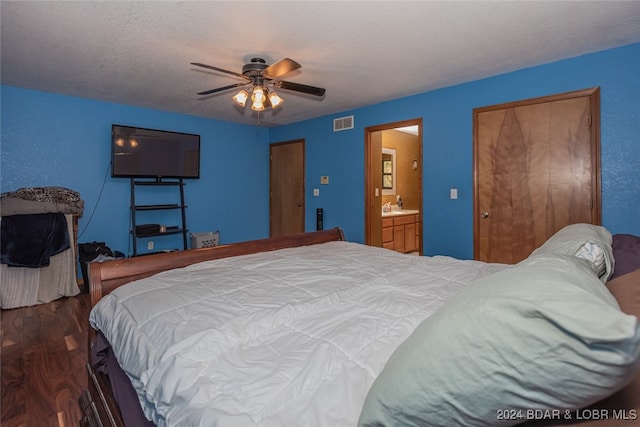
x,y
293,337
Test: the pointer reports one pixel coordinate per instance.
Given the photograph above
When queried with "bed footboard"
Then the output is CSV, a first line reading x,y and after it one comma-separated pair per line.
x,y
106,276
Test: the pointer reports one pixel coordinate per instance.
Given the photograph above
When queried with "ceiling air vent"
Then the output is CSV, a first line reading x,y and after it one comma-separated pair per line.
x,y
343,123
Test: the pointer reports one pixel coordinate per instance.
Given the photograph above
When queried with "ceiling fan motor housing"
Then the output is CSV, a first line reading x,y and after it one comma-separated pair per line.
x,y
254,68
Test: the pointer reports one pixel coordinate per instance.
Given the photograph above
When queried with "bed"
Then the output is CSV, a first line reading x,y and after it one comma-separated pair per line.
x,y
313,330
39,240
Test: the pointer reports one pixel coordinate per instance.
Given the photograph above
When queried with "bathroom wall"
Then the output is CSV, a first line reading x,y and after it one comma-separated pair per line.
x,y
407,148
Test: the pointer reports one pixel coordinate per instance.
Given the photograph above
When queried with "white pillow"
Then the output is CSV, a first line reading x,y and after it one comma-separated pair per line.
x,y
594,253
587,241
544,334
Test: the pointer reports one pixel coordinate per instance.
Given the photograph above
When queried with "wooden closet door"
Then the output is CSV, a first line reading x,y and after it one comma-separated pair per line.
x,y
536,169
286,188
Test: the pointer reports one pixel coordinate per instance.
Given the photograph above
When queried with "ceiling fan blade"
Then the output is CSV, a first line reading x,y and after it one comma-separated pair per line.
x,y
222,70
220,89
298,87
281,68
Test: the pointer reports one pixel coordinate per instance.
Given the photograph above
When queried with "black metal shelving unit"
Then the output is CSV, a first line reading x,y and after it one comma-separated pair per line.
x,y
181,229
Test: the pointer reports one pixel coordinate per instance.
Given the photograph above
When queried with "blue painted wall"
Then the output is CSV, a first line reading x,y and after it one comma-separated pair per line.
x,y
54,140
447,146
49,139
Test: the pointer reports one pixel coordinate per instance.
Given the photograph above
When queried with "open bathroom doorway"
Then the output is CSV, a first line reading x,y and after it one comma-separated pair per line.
x,y
393,183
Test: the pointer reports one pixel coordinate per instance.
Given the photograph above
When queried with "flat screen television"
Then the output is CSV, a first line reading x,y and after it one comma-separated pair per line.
x,y
149,153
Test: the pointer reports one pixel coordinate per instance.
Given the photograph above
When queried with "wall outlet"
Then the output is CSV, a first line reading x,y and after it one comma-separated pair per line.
x,y
150,245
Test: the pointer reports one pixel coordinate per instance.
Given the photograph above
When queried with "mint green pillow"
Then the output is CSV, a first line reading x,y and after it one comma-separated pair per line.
x,y
544,334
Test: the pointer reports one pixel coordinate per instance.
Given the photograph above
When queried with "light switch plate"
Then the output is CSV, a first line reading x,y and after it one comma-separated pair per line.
x,y
453,193
316,192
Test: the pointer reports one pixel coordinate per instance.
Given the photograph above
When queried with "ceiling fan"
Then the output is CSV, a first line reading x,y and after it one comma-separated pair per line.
x,y
260,76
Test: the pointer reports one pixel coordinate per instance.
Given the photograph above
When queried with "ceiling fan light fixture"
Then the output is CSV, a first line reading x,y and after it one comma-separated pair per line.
x,y
258,95
261,78
257,106
241,97
275,99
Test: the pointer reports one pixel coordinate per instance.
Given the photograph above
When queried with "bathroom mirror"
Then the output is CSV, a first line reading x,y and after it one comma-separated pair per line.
x,y
388,171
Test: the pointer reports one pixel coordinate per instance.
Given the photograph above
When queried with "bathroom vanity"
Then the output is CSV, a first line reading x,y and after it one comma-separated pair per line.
x,y
401,231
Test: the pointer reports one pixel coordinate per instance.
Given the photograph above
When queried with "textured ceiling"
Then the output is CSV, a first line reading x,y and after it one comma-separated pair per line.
x,y
138,52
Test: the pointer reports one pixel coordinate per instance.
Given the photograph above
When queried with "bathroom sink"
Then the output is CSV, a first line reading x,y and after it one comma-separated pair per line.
x,y
397,212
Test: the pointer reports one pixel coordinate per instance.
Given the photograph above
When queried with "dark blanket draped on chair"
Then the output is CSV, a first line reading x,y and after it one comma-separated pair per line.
x,y
30,240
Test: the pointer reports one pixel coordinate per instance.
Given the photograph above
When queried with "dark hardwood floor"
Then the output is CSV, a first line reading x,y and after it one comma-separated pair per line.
x,y
42,363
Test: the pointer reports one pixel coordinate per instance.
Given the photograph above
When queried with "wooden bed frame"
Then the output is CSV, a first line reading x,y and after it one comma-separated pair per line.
x,y
97,402
101,409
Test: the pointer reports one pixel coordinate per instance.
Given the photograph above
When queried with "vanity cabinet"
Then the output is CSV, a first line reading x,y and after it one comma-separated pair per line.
x,y
401,233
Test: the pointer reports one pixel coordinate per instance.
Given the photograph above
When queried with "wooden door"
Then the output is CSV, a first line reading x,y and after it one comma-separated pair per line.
x,y
286,182
373,211
536,169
